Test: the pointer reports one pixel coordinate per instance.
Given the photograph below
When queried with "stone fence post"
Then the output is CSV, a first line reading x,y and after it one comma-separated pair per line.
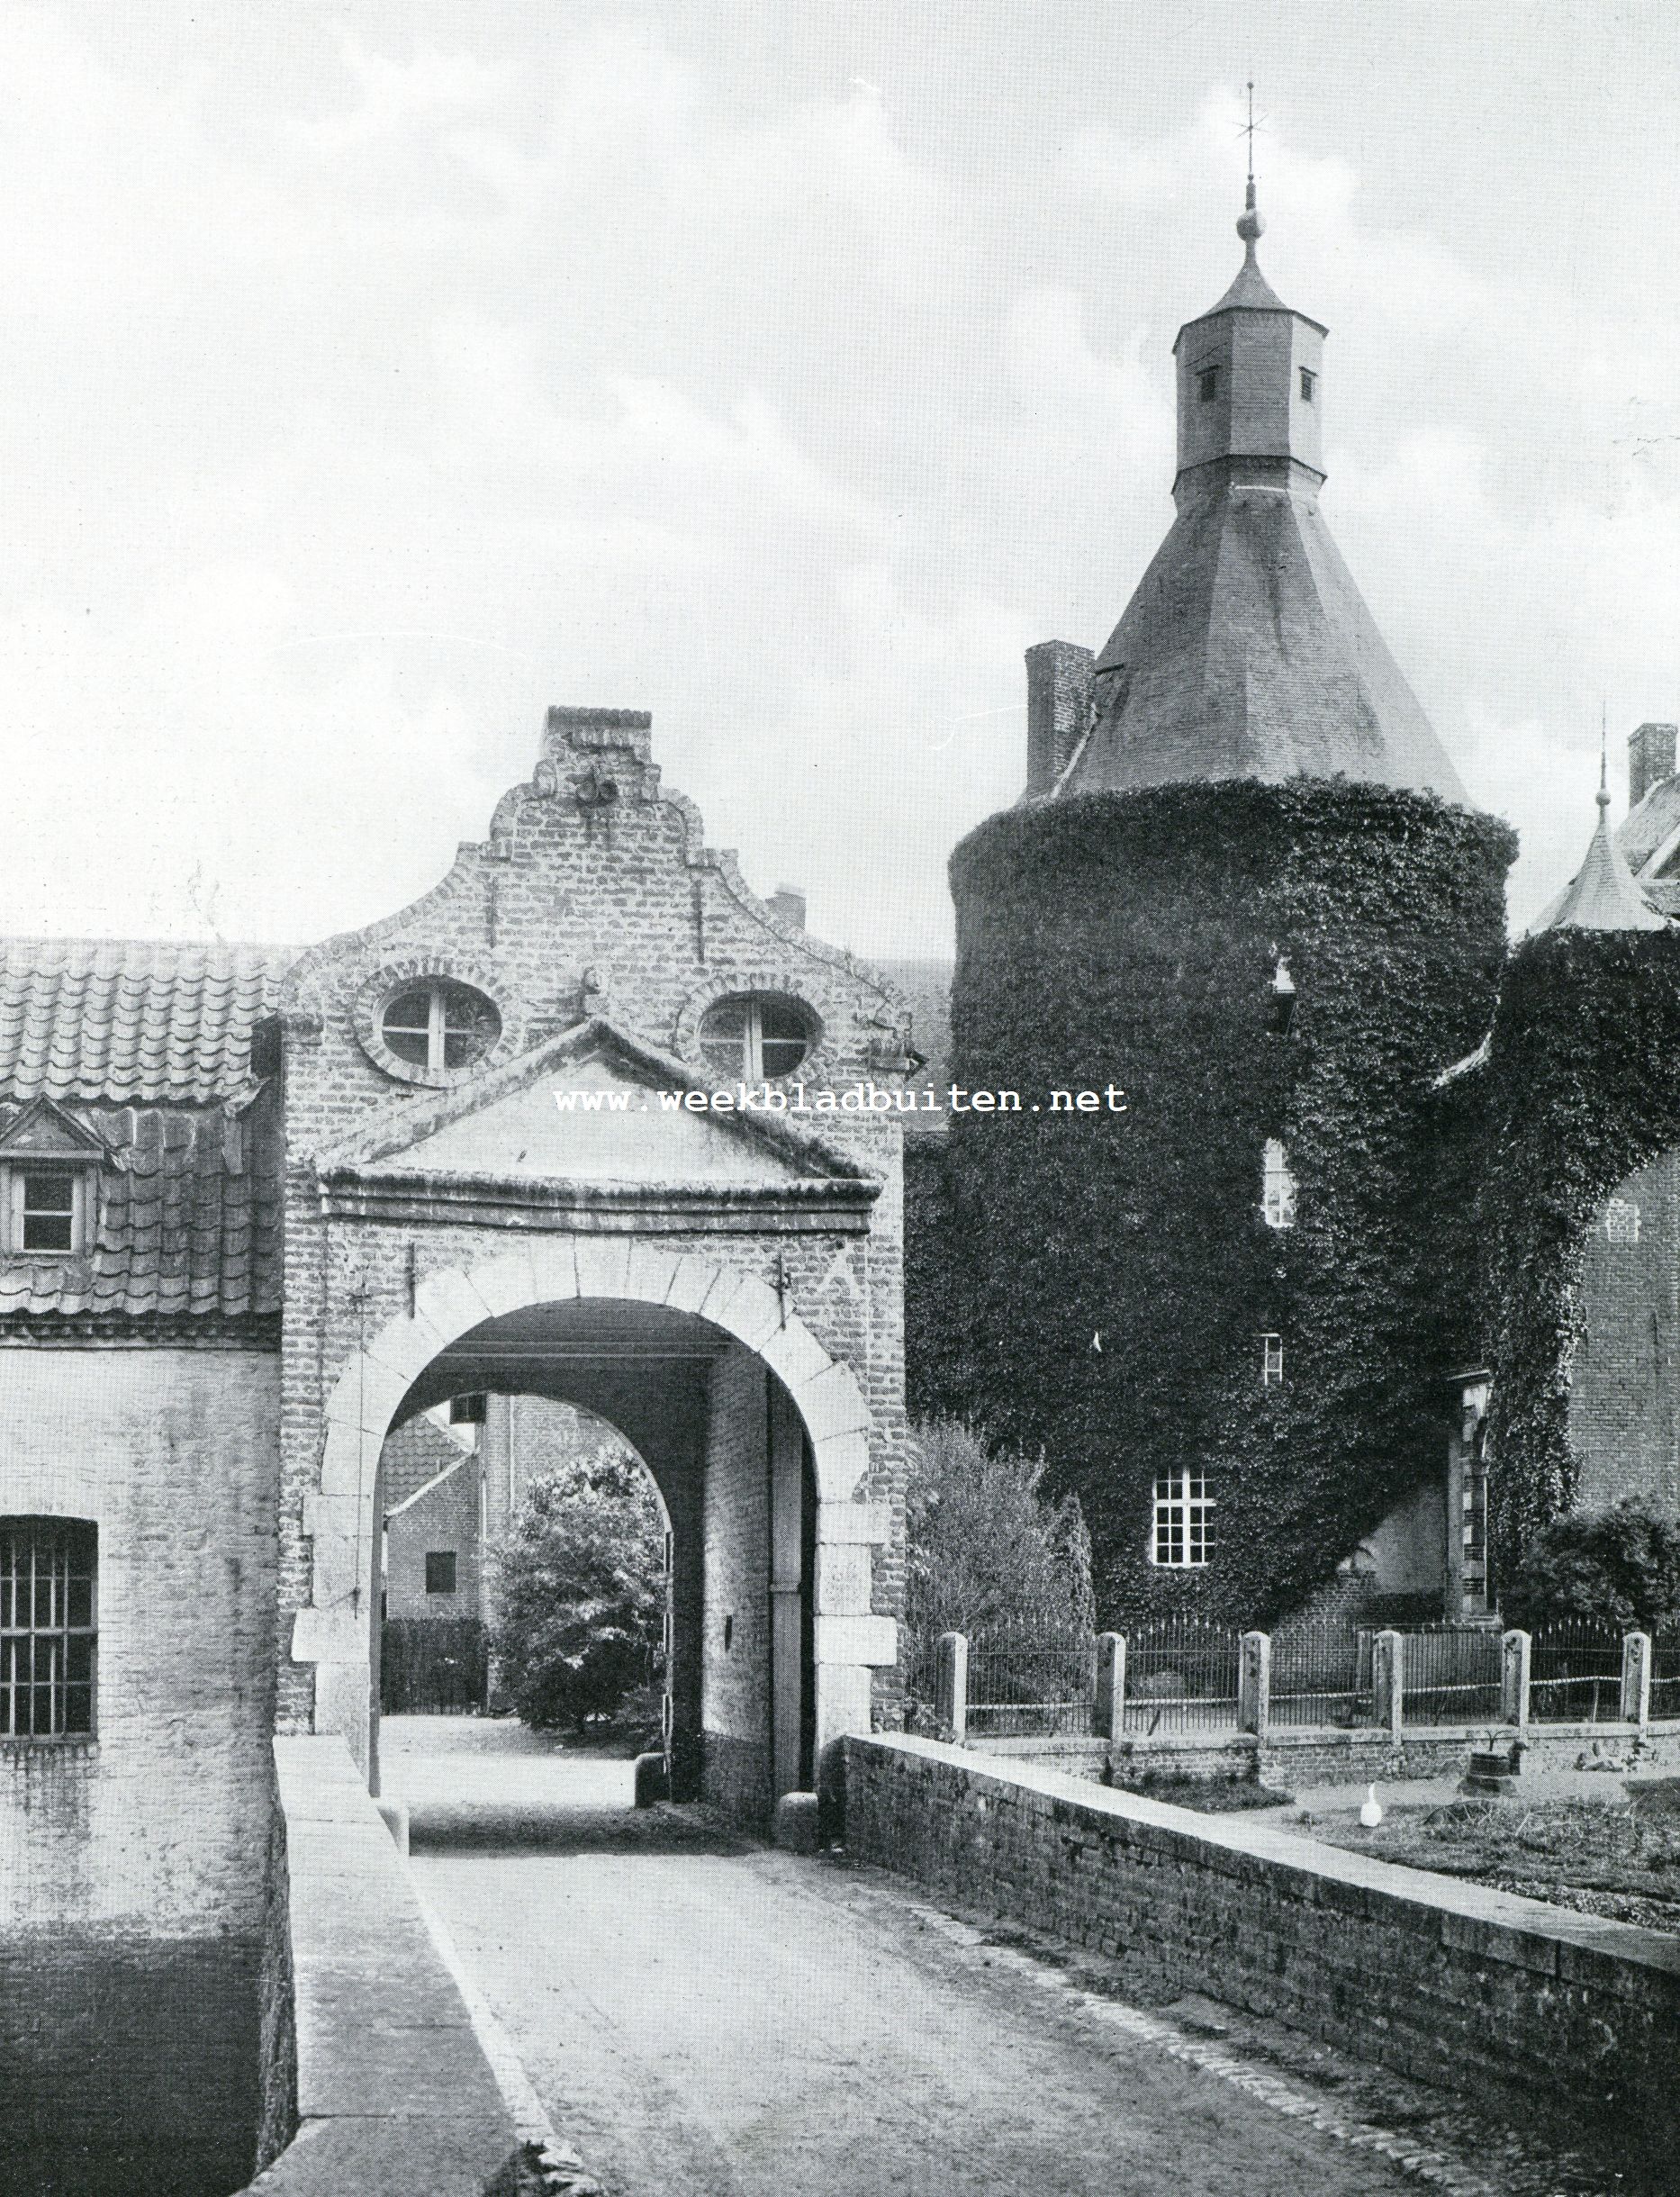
x,y
950,1687
1388,1682
1514,1680
1108,1707
1254,1684
1636,1678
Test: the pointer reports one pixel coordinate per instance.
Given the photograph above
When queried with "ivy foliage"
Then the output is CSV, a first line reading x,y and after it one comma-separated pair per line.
x,y
1583,1087
1110,1276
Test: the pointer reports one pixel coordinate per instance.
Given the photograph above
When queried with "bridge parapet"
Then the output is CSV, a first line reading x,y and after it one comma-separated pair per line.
x,y
392,2089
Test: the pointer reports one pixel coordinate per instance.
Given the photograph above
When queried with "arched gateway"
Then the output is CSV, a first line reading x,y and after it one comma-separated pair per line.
x,y
591,1122
736,1408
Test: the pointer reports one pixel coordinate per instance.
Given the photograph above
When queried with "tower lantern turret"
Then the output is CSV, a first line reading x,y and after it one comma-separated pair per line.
x,y
1250,380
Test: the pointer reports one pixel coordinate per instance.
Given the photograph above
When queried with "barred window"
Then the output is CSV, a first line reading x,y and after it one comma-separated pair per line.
x,y
1183,1532
1207,383
48,1627
1277,1188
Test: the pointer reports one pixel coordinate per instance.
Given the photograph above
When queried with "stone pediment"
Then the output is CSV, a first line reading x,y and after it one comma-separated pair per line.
x,y
44,1130
592,1115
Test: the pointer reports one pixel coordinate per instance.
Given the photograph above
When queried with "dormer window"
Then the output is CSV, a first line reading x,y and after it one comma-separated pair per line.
x,y
1309,382
46,1206
439,1026
1277,1187
1207,383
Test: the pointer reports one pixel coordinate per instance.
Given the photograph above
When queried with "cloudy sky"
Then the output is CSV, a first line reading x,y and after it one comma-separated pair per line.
x,y
378,372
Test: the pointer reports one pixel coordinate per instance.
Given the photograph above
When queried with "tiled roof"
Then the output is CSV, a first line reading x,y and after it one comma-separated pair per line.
x,y
188,1222
131,1020
149,1045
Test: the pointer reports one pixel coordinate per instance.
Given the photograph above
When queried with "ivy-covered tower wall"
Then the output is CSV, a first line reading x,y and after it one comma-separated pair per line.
x,y
1116,1274
1579,1223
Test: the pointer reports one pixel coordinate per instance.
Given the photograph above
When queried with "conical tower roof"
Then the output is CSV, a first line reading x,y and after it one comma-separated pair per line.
x,y
1246,650
1603,894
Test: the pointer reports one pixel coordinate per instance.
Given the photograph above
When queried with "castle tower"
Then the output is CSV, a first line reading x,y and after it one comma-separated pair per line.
x,y
1220,950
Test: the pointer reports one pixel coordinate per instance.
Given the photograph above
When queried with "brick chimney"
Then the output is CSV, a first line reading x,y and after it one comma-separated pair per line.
x,y
788,903
1058,706
1650,760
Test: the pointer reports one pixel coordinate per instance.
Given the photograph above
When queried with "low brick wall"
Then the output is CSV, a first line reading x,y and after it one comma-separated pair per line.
x,y
1298,1758
1514,2002
394,2091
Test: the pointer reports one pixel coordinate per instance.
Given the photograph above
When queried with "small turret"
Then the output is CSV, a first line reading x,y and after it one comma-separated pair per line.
x,y
1603,894
1249,378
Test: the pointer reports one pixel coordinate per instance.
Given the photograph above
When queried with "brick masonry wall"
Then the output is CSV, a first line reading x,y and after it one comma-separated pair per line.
x,y
150,1828
129,2066
735,1680
444,1517
1294,1761
1450,1984
565,911
1624,1379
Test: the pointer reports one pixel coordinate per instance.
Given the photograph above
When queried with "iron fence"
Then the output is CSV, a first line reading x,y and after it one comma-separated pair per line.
x,y
1181,1676
1452,1674
1320,1673
1575,1672
1020,1688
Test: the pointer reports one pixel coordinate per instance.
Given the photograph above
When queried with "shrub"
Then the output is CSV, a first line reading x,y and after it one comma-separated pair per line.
x,y
1620,1566
581,1599
986,1553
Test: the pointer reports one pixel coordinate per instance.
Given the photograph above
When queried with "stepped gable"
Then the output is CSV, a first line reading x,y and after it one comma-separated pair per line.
x,y
148,1046
1246,650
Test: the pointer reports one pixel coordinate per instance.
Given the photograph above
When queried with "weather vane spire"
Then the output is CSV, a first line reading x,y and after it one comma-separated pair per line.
x,y
1250,224
1248,133
1603,754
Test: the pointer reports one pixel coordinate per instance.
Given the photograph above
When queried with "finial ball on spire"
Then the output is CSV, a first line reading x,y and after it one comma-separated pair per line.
x,y
1250,221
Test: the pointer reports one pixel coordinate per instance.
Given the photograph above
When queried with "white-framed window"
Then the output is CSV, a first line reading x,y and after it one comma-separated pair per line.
x,y
1621,1221
1277,1186
1271,1362
439,1025
46,1208
1182,1532
48,1627
755,1036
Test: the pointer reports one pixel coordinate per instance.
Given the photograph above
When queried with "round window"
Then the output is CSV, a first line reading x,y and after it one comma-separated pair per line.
x,y
438,1027
755,1036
